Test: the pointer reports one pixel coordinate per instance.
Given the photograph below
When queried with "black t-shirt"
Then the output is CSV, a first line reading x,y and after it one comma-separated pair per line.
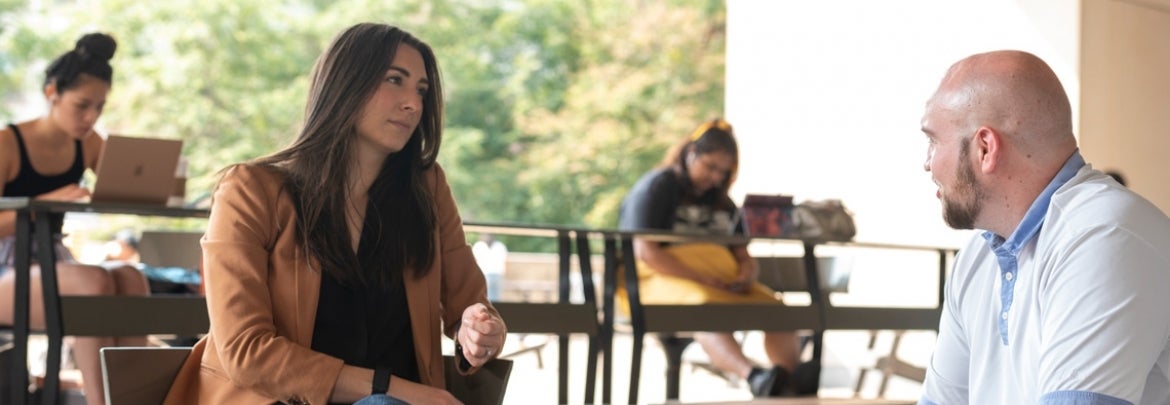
x,y
659,201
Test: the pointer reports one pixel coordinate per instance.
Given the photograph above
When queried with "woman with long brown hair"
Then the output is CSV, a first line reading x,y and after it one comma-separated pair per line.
x,y
334,266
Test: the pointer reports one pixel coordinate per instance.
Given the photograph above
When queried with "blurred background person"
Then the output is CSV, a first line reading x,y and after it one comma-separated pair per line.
x,y
492,257
688,194
45,159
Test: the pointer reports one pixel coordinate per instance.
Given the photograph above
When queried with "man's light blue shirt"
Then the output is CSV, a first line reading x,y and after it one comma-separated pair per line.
x,y
1080,316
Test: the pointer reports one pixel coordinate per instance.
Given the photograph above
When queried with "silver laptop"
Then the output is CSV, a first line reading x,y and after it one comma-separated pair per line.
x,y
140,375
136,170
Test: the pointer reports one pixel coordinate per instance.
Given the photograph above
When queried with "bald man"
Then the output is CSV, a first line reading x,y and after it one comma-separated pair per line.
x,y
1065,298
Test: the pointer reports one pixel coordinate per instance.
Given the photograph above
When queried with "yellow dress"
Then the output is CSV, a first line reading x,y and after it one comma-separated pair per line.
x,y
706,258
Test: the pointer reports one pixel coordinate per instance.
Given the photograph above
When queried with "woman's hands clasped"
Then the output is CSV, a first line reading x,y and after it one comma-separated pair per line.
x,y
481,334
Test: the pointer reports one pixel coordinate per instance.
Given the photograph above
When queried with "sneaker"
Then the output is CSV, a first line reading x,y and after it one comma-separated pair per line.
x,y
767,383
806,379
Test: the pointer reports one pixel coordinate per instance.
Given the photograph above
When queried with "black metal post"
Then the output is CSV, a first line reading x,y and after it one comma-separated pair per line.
x,y
564,251
608,317
20,308
637,317
46,256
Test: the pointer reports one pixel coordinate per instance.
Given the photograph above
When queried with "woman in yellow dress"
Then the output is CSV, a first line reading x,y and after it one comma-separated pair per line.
x,y
688,194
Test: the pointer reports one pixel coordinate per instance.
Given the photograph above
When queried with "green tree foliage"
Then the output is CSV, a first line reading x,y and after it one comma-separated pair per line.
x,y
554,108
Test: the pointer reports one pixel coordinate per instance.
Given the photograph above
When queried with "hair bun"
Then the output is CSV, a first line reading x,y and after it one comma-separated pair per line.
x,y
97,45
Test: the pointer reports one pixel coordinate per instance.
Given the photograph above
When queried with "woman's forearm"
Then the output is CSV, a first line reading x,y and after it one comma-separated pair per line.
x,y
353,383
7,223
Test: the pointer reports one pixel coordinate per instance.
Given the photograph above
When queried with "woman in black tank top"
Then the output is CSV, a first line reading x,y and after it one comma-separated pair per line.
x,y
45,158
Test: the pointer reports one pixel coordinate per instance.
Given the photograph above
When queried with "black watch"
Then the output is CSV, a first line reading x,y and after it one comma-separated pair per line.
x,y
381,384
464,364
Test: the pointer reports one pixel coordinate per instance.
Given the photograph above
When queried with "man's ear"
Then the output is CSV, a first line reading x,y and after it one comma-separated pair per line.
x,y
988,146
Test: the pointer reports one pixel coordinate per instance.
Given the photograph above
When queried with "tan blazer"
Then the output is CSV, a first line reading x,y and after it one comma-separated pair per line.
x,y
262,298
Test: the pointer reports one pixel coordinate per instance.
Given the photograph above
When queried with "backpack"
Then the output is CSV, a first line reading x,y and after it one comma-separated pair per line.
x,y
827,220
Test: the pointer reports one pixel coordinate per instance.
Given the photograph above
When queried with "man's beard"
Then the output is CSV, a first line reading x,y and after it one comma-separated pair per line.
x,y
961,214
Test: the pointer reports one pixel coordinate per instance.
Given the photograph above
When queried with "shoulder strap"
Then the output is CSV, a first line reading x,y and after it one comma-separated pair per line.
x,y
25,165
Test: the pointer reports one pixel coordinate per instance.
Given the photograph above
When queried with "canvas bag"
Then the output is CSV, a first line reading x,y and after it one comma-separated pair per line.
x,y
827,220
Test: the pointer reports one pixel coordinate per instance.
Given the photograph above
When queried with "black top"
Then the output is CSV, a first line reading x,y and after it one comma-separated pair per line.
x,y
30,183
658,201
366,326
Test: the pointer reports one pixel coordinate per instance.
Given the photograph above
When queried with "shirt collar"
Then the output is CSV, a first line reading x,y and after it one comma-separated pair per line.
x,y
1030,225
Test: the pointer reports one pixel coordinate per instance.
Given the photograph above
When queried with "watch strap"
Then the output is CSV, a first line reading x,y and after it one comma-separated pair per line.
x,y
381,384
461,360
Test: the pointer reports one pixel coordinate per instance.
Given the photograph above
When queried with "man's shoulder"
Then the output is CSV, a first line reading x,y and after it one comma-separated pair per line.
x,y
1090,201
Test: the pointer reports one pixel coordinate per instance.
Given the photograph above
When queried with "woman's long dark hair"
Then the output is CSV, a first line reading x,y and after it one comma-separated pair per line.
x,y
90,56
711,136
400,216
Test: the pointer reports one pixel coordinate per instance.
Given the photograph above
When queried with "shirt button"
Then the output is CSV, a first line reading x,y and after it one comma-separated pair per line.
x,y
1004,315
1007,276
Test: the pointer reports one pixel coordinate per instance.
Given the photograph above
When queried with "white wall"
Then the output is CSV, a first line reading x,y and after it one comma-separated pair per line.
x,y
1126,79
826,96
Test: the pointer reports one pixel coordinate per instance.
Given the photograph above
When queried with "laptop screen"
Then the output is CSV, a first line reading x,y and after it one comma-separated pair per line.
x,y
768,215
136,170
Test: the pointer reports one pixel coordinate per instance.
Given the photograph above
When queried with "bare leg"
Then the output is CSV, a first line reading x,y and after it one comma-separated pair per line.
x,y
725,353
72,280
782,349
86,351
128,281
